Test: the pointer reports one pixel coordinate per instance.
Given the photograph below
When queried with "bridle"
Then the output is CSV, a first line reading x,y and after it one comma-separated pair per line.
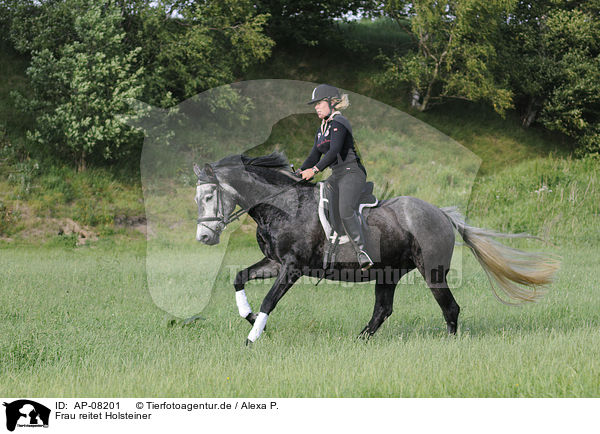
x,y
220,212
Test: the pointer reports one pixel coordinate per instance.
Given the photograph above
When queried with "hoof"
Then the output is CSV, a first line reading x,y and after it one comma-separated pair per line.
x,y
451,329
251,318
364,335
249,343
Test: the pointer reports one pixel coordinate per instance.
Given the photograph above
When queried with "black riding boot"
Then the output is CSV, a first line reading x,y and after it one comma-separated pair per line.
x,y
354,231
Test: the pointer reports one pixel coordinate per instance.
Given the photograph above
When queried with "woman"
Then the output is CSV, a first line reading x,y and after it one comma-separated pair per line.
x,y
334,142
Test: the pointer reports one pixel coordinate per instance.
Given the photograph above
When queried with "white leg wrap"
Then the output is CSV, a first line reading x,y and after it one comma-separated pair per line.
x,y
242,303
259,326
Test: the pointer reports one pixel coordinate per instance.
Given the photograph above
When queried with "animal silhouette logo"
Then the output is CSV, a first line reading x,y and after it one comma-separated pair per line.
x,y
26,413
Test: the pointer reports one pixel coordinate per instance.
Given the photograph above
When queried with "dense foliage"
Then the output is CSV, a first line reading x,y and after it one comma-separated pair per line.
x,y
189,47
551,52
310,21
454,51
543,58
79,87
88,59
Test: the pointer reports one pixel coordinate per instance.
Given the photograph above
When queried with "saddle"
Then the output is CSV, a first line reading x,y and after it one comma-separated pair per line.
x,y
332,223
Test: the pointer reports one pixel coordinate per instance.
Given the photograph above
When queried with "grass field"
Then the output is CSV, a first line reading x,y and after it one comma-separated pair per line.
x,y
81,322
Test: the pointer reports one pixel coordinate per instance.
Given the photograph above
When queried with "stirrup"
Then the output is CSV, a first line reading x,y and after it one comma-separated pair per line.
x,y
368,263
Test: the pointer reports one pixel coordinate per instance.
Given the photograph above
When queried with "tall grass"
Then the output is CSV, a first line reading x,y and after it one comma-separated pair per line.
x,y
556,198
92,198
367,37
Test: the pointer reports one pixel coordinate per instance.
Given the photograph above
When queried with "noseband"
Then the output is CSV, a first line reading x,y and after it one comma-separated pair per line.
x,y
220,212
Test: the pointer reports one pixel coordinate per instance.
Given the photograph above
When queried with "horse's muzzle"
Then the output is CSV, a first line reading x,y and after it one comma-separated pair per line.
x,y
209,240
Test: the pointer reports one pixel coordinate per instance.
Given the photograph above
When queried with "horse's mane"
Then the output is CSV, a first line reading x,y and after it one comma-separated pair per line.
x,y
274,159
273,168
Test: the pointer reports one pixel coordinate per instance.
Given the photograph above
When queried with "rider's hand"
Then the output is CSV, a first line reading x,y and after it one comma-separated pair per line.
x,y
307,174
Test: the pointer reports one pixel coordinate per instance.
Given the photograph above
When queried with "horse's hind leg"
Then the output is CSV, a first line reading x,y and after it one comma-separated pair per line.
x,y
384,303
450,308
435,270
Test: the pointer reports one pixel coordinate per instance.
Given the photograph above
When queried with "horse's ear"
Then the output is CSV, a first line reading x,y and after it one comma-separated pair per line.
x,y
209,170
197,170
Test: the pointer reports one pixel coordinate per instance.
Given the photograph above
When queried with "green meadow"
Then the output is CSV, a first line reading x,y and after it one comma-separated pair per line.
x,y
81,322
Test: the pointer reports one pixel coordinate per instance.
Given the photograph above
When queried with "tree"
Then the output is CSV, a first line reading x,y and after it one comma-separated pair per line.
x,y
89,59
190,47
80,87
454,54
552,62
37,25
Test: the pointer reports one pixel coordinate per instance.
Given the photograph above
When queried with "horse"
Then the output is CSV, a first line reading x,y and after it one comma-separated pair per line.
x,y
414,234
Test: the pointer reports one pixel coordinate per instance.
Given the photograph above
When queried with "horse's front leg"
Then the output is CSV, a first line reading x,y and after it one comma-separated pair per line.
x,y
263,269
286,278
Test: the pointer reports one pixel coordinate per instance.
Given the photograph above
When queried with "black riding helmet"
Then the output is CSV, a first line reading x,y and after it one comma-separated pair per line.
x,y
324,91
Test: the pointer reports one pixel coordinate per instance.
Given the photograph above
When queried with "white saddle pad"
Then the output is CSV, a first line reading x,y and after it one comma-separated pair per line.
x,y
325,223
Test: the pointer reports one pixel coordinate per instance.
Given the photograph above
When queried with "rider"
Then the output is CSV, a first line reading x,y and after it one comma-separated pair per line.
x,y
335,142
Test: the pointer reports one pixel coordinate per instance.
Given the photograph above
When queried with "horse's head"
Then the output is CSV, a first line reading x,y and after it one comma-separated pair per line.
x,y
216,201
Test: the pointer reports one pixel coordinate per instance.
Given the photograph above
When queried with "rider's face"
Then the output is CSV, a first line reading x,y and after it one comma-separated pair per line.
x,y
322,109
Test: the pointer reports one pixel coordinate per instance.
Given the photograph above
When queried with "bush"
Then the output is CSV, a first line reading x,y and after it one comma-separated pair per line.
x,y
80,87
22,175
8,219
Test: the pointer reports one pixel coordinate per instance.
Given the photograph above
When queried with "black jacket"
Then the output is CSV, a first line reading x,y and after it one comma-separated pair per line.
x,y
336,145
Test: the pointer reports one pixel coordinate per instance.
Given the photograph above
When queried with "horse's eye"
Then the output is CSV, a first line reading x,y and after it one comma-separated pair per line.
x,y
209,197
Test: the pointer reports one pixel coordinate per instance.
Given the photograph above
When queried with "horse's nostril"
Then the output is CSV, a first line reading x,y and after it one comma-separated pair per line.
x,y
204,238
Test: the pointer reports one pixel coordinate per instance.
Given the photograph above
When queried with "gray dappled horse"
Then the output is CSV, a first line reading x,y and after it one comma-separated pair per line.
x,y
413,234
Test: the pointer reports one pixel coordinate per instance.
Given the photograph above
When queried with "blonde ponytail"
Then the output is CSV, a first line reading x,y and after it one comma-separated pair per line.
x,y
343,104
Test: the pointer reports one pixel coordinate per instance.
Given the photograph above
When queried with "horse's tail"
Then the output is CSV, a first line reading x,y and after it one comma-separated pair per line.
x,y
520,275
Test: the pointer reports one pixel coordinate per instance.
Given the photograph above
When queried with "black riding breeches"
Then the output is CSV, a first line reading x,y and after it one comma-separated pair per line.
x,y
347,181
